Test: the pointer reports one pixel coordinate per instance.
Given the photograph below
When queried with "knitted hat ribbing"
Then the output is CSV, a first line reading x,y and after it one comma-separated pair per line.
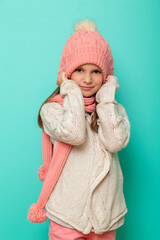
x,y
86,45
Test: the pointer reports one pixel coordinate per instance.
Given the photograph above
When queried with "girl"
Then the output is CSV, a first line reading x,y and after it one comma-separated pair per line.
x,y
83,129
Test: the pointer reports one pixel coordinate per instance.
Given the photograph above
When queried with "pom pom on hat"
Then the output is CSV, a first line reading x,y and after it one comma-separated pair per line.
x,y
85,25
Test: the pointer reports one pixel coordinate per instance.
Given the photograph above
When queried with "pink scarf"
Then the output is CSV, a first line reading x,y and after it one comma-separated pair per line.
x,y
53,165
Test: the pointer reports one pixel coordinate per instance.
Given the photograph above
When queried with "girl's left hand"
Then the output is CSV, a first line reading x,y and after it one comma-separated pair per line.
x,y
109,88
61,78
112,81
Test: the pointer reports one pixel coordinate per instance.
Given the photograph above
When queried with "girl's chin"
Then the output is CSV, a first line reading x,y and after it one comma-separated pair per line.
x,y
87,95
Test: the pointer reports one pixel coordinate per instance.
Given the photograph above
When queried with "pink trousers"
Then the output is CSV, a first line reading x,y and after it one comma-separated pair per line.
x,y
58,232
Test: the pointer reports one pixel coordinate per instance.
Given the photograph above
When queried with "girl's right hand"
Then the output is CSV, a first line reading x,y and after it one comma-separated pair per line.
x,y
61,78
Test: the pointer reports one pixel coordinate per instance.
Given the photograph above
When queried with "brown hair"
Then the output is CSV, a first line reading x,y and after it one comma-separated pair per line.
x,y
94,119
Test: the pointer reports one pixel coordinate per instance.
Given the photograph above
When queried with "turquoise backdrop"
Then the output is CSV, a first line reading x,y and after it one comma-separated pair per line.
x,y
32,37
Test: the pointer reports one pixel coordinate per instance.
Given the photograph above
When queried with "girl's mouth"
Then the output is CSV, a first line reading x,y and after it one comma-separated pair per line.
x,y
86,88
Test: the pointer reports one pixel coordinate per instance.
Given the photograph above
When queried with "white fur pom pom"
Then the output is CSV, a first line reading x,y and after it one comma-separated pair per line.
x,y
86,25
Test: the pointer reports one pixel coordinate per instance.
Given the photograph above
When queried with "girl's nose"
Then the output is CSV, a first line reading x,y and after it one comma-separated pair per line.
x,y
88,78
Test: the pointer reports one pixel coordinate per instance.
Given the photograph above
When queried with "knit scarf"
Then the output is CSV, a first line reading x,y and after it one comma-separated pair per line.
x,y
53,164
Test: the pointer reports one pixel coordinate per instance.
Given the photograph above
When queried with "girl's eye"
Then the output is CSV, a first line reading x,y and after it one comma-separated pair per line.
x,y
78,70
97,71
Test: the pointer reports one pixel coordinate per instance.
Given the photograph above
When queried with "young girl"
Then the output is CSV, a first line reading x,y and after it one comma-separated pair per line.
x,y
83,129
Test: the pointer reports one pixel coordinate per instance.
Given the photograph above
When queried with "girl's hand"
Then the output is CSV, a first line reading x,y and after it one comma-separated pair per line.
x,y
109,88
112,81
61,78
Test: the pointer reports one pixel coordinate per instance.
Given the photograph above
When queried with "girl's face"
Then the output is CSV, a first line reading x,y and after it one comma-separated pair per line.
x,y
89,78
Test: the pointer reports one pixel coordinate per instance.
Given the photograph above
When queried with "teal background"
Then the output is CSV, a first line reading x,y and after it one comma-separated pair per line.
x,y
32,37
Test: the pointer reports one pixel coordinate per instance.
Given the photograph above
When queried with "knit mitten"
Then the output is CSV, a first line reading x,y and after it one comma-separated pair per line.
x,y
111,86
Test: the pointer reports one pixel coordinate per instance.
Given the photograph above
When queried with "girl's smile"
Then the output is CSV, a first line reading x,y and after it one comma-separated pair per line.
x,y
89,78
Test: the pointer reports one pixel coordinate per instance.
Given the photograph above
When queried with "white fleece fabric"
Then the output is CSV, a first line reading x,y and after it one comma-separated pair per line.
x,y
89,193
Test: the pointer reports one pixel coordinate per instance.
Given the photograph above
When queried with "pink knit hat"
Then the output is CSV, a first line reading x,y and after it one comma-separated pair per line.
x,y
86,45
